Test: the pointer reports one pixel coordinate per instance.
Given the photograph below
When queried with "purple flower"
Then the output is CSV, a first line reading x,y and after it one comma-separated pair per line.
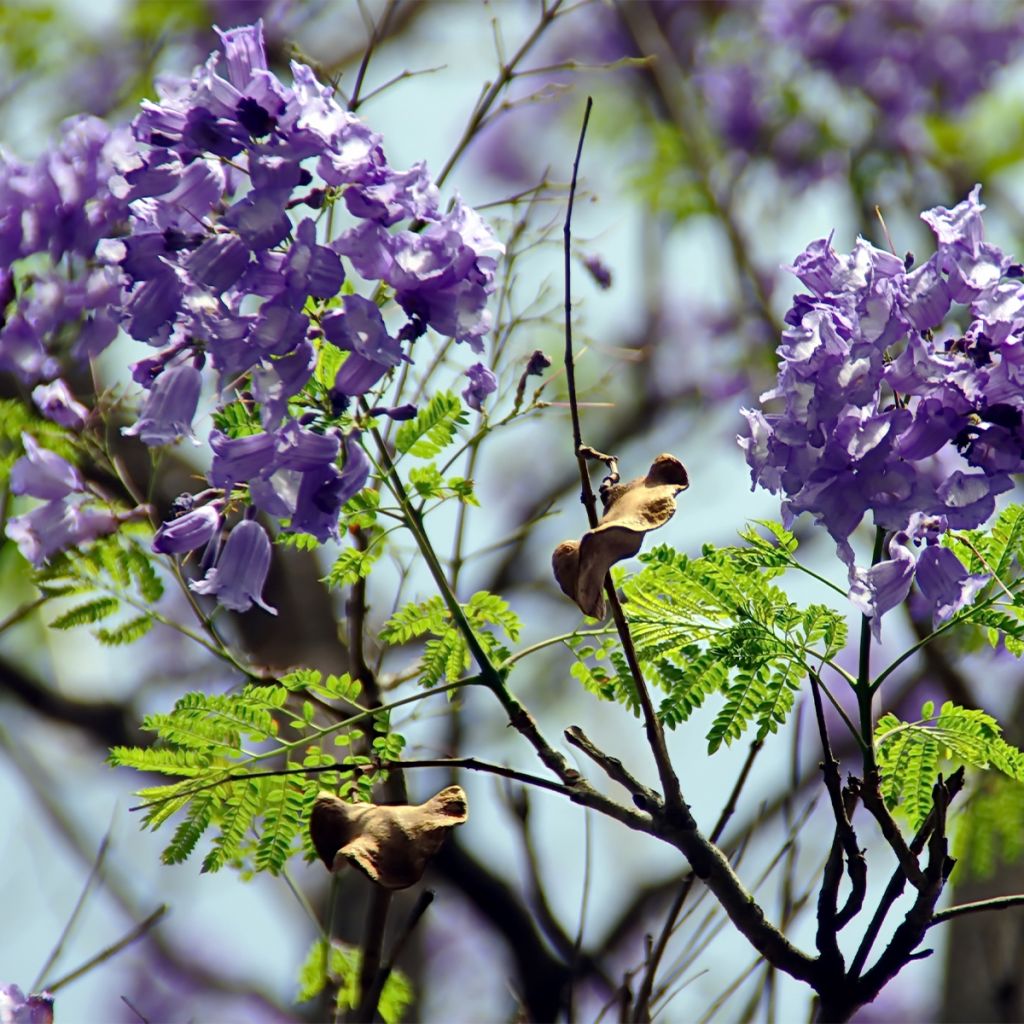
x,y
41,473
169,407
236,460
17,1008
58,525
359,329
311,269
186,533
481,384
301,449
56,403
886,584
325,489
945,582
841,448
237,580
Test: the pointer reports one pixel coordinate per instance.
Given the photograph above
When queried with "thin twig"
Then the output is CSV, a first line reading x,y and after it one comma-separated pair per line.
x,y
655,734
375,36
996,903
505,74
136,933
94,874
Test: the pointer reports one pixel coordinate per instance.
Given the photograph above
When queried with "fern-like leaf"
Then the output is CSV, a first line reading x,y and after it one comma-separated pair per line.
x,y
433,428
87,614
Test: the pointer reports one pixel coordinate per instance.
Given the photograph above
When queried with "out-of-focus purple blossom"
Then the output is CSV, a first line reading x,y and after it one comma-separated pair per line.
x,y
482,383
871,400
62,205
41,473
907,56
187,532
599,271
237,580
170,407
17,1008
58,525
56,403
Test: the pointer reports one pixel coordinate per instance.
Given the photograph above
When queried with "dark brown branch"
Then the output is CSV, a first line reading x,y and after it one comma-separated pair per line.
x,y
829,918
898,880
643,796
996,903
893,836
642,1006
372,948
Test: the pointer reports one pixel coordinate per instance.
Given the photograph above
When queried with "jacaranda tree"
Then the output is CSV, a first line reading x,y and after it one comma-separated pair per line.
x,y
285,420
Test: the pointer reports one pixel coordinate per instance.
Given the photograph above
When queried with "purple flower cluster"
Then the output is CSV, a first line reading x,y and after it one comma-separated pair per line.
x,y
214,265
201,233
906,56
889,409
63,206
220,266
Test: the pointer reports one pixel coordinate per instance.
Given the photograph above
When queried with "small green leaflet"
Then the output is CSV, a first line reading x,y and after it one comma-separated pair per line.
x,y
433,428
909,753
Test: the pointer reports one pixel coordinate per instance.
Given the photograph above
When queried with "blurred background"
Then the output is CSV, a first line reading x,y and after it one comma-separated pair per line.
x,y
725,137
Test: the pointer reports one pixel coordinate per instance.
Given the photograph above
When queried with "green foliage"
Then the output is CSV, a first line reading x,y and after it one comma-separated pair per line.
x,y
998,612
717,624
218,746
360,512
433,428
115,576
602,670
329,360
427,482
667,181
239,419
354,564
990,829
338,966
910,753
445,652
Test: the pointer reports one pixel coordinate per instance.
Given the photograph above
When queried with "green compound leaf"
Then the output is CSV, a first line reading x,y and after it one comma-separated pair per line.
x,y
433,428
718,624
127,633
910,753
87,613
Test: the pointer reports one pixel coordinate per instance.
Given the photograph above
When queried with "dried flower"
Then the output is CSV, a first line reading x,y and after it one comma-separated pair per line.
x,y
631,510
390,844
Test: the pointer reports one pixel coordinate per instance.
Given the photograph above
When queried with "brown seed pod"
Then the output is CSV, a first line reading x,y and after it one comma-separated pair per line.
x,y
631,510
390,844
